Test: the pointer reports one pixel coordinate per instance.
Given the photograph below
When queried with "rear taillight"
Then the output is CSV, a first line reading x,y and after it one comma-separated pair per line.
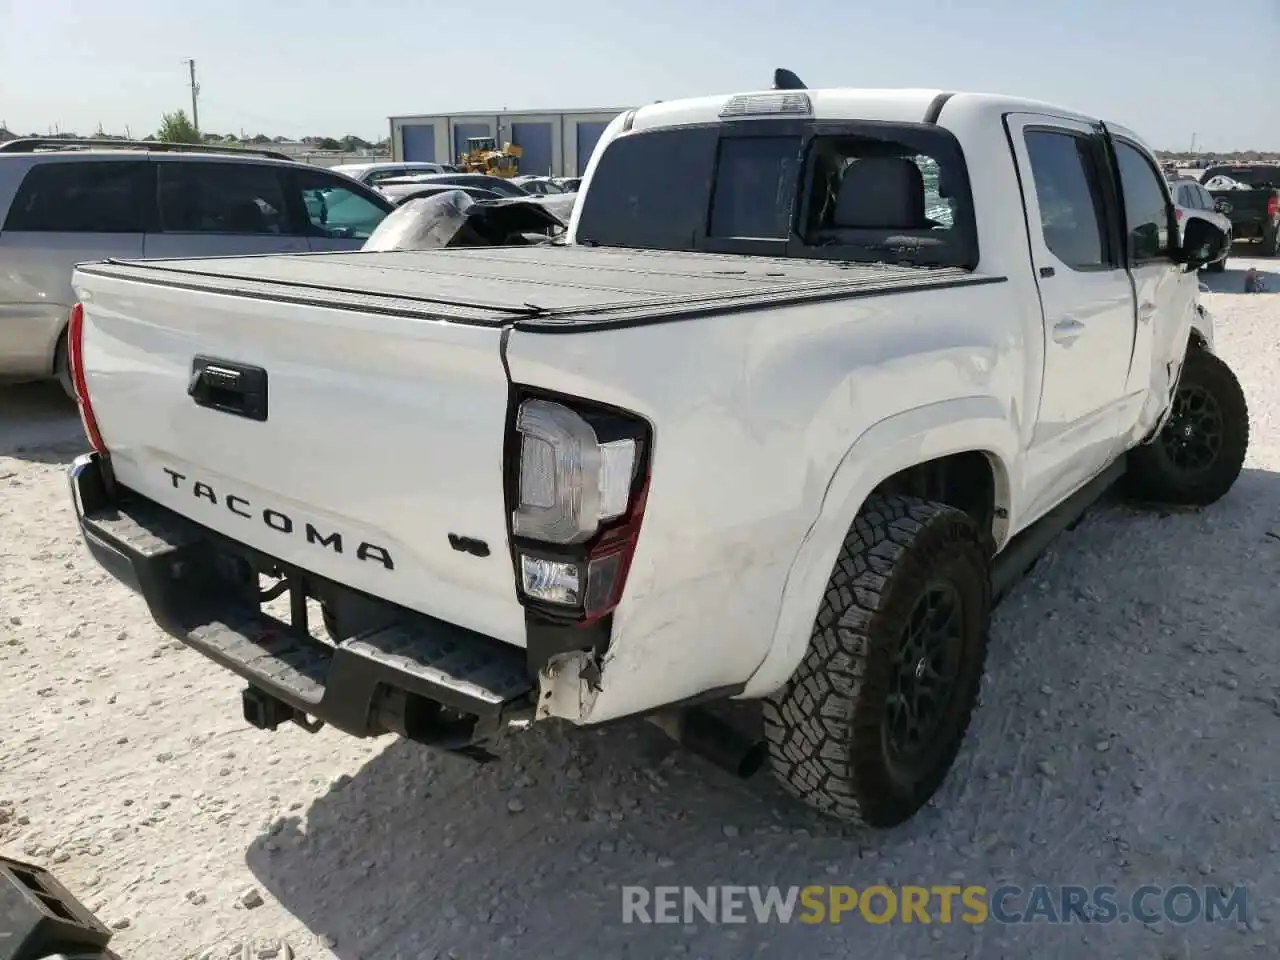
x,y
1177,213
1273,206
75,361
578,486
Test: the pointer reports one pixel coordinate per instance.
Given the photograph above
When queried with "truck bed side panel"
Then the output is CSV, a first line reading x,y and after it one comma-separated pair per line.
x,y
752,414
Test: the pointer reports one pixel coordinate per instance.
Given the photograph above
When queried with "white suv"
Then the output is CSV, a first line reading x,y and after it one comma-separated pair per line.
x,y
66,202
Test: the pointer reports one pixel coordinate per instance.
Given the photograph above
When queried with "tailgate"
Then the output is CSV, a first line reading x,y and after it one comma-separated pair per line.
x,y
381,436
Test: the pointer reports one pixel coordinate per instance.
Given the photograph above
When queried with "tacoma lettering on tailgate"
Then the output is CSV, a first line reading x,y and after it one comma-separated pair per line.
x,y
278,521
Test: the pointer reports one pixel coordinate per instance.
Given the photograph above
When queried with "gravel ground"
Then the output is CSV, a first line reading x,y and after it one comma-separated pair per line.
x,y
1128,734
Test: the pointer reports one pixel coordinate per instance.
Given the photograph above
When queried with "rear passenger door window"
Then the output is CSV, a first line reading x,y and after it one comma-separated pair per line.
x,y
1146,207
221,198
103,196
1069,197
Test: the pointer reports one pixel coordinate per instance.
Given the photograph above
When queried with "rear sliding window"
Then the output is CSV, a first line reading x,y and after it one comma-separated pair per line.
x,y
104,196
754,187
841,191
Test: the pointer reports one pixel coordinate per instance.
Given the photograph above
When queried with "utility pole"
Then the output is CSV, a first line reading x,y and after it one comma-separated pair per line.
x,y
195,93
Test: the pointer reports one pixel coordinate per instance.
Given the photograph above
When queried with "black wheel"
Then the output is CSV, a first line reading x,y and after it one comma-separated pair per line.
x,y
872,720
62,367
1218,267
1198,454
1271,243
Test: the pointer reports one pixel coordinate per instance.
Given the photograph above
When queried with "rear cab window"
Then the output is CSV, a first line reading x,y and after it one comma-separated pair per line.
x,y
100,196
859,191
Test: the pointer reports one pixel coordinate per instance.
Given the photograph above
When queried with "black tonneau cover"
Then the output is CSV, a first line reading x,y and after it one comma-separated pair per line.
x,y
543,287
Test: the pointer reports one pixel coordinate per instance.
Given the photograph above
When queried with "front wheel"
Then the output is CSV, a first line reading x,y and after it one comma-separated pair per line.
x,y
871,722
1198,454
1218,267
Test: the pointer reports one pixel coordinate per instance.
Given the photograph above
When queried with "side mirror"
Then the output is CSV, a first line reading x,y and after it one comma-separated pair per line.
x,y
1203,242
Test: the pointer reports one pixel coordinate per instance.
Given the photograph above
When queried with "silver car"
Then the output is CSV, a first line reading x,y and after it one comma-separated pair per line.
x,y
61,206
1190,195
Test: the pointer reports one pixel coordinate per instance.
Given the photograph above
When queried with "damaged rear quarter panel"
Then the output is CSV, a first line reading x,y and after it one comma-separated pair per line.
x,y
752,412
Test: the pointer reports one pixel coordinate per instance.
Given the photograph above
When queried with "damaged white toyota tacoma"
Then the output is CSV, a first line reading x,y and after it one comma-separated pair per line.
x,y
814,376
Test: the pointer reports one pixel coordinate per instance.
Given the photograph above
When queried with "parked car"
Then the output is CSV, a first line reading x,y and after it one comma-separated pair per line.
x,y
1188,194
539,186
570,184
814,379
499,185
1254,212
402,193
60,206
372,174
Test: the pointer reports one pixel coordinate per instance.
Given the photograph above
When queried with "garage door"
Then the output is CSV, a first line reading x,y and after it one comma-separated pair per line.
x,y
419,141
535,140
588,135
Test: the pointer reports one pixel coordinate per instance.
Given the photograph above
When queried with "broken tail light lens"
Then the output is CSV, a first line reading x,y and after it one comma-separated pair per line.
x,y
580,485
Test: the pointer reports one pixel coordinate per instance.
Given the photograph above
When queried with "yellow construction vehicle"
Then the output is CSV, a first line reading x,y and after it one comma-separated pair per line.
x,y
483,156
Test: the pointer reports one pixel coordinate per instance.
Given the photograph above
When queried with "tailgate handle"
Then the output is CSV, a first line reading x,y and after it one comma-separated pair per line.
x,y
230,387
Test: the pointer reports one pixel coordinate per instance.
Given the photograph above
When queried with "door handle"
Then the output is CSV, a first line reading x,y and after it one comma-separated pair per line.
x,y
1067,331
1146,310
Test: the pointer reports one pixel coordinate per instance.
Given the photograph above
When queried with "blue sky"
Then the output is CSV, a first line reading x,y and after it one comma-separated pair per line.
x,y
332,67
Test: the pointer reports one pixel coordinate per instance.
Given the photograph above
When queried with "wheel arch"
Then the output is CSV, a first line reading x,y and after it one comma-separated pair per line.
x,y
971,433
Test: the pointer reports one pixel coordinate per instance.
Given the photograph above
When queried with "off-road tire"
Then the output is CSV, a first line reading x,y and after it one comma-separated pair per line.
x,y
1159,473
1271,243
62,367
827,729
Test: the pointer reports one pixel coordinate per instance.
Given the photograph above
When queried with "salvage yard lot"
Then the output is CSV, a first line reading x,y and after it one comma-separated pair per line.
x,y
1128,734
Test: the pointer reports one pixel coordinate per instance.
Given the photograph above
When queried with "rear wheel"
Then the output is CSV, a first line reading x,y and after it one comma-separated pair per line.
x,y
1218,267
872,720
1271,243
62,367
1200,451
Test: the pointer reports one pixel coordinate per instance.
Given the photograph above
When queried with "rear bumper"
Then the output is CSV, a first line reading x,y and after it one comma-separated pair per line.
x,y
393,675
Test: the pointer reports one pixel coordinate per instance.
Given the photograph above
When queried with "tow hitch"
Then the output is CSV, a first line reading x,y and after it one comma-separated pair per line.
x,y
266,712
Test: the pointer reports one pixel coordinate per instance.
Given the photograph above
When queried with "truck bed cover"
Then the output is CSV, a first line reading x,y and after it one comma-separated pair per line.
x,y
542,287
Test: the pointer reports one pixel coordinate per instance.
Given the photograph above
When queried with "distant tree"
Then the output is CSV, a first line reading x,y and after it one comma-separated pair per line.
x,y
211,137
176,128
327,143
260,138
351,144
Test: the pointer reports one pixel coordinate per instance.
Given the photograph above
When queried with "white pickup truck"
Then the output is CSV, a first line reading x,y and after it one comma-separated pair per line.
x,y
815,377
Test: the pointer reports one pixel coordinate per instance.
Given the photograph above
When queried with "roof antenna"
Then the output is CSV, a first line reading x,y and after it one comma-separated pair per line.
x,y
786,80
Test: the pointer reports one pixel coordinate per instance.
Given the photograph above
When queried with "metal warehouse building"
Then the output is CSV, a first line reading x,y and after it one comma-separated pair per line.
x,y
556,144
